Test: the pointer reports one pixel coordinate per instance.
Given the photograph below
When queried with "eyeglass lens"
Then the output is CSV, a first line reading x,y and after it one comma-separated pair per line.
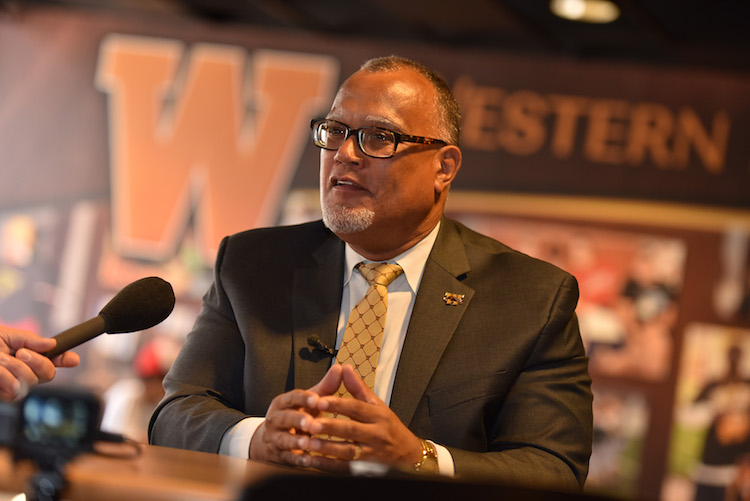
x,y
373,141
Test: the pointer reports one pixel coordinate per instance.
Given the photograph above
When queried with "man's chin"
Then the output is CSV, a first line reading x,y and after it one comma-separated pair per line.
x,y
345,221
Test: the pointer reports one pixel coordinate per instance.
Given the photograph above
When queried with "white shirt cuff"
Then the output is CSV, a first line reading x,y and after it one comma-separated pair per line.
x,y
236,441
445,460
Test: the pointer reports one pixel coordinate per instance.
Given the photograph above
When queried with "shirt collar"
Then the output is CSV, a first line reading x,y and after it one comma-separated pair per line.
x,y
412,261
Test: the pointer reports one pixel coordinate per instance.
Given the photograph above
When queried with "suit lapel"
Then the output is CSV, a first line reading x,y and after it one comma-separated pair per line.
x,y
316,301
433,320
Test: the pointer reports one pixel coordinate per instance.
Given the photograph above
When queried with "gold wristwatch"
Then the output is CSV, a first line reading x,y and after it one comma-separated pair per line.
x,y
429,461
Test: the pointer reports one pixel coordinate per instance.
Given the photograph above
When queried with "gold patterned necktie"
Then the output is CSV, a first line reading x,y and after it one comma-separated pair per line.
x,y
364,330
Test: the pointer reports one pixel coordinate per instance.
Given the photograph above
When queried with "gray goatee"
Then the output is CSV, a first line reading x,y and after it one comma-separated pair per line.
x,y
347,220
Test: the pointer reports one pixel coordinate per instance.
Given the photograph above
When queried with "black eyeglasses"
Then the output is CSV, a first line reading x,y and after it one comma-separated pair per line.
x,y
374,142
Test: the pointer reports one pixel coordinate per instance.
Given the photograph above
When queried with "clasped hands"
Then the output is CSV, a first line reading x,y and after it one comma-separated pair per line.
x,y
294,421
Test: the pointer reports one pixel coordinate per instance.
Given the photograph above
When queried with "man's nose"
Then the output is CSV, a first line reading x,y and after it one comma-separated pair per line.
x,y
349,152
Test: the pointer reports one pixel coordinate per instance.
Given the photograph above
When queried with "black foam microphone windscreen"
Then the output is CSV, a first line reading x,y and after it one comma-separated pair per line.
x,y
138,306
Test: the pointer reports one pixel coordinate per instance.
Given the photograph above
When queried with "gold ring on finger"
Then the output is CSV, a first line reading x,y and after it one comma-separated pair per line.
x,y
357,452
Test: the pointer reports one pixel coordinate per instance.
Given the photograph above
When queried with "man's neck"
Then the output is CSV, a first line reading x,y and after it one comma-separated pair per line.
x,y
382,246
429,238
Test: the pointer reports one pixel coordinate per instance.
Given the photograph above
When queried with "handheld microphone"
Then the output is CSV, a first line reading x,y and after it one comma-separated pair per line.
x,y
314,341
138,306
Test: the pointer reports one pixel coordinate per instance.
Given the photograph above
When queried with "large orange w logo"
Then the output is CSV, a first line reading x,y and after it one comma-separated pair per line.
x,y
194,135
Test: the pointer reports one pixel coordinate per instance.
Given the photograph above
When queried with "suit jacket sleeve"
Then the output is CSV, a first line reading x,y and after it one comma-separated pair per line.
x,y
203,396
272,288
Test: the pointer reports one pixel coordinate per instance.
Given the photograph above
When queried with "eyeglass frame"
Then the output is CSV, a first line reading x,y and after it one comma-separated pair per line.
x,y
397,136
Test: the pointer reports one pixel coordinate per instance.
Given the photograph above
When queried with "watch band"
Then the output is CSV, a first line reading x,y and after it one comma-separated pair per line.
x,y
429,461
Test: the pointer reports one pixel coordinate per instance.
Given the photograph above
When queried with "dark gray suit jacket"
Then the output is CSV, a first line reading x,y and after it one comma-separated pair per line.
x,y
501,379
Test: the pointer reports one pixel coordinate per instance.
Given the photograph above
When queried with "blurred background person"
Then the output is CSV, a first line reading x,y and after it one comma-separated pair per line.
x,y
129,402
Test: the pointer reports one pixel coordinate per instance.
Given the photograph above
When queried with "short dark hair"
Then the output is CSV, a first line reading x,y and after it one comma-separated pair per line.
x,y
450,121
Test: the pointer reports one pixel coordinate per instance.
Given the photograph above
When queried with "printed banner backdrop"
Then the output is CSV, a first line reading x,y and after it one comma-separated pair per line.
x,y
132,145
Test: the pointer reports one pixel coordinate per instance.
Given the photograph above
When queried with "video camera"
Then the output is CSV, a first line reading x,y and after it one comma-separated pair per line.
x,y
50,425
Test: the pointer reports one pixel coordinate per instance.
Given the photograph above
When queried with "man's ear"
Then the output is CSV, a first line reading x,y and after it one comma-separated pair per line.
x,y
449,162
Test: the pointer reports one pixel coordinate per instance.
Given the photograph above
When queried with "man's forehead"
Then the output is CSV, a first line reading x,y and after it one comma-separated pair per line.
x,y
396,82
383,99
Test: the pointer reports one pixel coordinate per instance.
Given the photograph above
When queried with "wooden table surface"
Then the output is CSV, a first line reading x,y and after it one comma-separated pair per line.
x,y
157,473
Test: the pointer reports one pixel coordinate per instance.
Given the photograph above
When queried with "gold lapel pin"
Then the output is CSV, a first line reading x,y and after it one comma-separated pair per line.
x,y
453,299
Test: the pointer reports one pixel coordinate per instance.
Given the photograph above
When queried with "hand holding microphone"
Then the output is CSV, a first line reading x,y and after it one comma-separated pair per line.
x,y
22,363
25,356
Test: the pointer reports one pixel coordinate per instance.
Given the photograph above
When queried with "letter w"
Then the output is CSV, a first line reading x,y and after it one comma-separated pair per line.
x,y
189,138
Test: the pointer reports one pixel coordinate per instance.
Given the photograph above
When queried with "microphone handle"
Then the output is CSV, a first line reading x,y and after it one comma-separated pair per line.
x,y
76,335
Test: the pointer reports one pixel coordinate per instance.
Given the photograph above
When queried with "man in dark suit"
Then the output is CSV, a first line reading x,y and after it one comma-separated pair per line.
x,y
482,373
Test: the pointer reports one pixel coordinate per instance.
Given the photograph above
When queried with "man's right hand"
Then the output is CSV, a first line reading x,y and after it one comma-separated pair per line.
x,y
283,436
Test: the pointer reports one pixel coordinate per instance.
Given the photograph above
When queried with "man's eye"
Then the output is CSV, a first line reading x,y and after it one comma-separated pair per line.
x,y
380,136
